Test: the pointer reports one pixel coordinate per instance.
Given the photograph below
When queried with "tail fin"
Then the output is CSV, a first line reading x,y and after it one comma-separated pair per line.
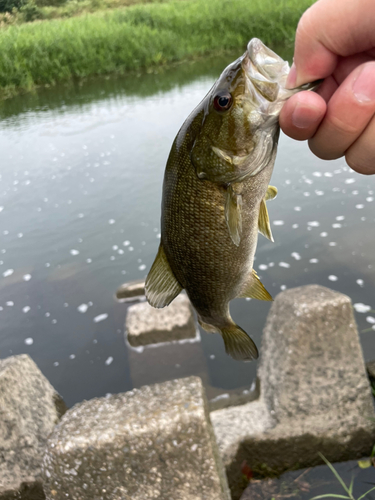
x,y
238,344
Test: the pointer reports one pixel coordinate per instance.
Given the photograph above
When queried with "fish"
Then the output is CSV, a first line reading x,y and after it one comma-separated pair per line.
x,y
215,189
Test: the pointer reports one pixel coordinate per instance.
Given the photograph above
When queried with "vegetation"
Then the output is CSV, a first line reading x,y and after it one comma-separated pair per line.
x,y
126,39
348,489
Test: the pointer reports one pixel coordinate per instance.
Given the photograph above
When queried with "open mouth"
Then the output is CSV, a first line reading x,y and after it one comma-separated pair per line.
x,y
266,72
265,64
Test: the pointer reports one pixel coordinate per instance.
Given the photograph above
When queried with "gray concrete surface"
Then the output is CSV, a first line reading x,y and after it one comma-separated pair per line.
x,y
153,443
146,325
314,391
29,410
131,291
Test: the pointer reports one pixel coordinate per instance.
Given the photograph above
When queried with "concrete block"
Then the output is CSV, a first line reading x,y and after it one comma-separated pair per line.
x,y
314,391
131,291
152,443
29,409
147,325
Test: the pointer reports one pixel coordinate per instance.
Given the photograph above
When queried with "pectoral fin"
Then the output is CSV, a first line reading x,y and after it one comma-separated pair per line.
x,y
233,215
271,193
254,289
264,221
161,285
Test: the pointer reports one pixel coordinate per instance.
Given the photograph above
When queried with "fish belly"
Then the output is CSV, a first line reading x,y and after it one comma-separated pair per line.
x,y
196,240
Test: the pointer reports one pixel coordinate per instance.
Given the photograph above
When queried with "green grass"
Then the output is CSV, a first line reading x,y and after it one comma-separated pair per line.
x,y
347,489
140,36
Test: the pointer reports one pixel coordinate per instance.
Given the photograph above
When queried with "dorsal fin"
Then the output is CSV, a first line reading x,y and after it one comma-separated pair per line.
x,y
233,214
161,285
254,289
264,221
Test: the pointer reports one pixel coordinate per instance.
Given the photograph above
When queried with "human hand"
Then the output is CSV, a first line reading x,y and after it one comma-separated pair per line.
x,y
335,41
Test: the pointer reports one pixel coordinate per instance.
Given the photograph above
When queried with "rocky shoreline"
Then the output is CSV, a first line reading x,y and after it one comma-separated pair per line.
x,y
163,442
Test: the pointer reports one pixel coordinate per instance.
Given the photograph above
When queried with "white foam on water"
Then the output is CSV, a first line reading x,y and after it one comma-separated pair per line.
x,y
100,317
29,341
8,272
361,308
284,264
109,360
74,252
82,308
27,277
26,309
332,277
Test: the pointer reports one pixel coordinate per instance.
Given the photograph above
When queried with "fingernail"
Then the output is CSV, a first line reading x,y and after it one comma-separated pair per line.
x,y
292,77
301,118
364,84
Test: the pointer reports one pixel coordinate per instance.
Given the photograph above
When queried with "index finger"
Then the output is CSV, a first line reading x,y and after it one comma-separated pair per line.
x,y
329,29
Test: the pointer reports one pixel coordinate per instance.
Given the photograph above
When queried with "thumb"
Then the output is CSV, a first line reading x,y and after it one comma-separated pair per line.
x,y
327,30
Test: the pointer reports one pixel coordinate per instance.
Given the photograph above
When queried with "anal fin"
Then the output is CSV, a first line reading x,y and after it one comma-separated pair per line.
x,y
161,284
255,289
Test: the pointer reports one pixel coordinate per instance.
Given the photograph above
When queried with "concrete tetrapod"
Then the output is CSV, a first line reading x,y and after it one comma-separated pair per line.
x,y
150,443
29,409
314,391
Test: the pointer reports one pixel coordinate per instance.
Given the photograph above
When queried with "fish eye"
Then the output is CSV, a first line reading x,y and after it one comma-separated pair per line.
x,y
223,101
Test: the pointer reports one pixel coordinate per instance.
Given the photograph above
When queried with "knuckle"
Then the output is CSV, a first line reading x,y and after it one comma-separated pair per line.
x,y
343,127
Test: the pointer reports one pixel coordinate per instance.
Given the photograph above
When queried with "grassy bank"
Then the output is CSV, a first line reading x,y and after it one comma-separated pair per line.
x,y
123,40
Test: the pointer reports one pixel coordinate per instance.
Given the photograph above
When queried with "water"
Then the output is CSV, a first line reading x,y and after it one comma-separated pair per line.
x,y
81,176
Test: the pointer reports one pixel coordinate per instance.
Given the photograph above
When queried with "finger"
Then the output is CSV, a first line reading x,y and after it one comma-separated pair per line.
x,y
349,111
326,32
327,88
302,114
347,65
361,154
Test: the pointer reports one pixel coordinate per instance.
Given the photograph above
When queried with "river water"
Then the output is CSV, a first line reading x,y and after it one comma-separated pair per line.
x,y
81,176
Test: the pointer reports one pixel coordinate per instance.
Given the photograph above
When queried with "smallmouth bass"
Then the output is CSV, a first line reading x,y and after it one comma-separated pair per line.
x,y
215,189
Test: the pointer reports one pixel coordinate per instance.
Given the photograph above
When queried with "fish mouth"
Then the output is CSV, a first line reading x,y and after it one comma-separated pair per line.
x,y
266,74
265,71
